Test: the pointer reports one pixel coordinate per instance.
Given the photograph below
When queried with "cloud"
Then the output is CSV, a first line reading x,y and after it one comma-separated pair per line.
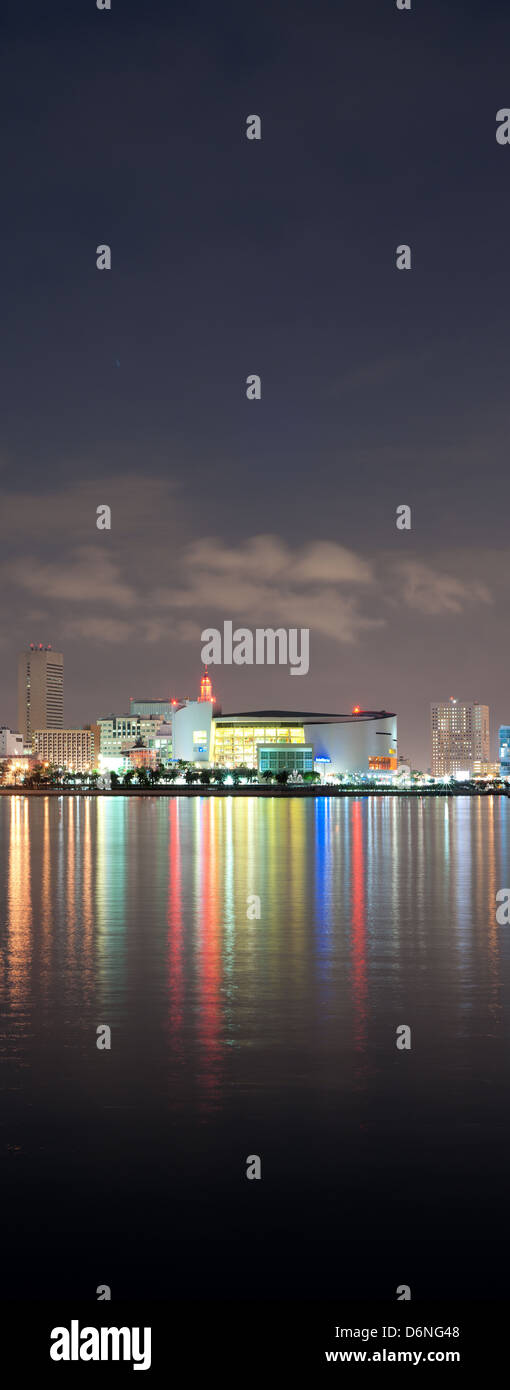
x,y
436,593
69,513
325,561
267,582
146,583
109,630
90,578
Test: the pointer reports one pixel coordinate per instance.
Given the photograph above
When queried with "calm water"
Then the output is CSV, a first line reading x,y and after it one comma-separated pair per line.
x,y
275,1037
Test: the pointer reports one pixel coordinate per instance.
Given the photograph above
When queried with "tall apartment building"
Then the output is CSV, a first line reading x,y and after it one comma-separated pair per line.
x,y
69,748
460,736
40,691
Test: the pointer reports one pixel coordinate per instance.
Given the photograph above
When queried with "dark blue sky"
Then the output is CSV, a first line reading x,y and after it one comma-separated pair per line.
x,y
277,257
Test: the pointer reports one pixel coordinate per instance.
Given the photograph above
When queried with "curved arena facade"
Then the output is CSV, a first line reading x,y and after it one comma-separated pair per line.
x,y
365,741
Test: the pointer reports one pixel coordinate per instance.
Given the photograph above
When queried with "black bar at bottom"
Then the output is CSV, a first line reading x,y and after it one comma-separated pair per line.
x,y
237,1340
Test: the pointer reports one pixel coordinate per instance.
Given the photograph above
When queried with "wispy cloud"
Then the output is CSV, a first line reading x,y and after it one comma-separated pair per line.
x,y
89,578
266,581
434,592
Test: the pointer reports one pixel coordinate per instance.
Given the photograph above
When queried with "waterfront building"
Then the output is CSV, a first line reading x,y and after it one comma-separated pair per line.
x,y
236,737
96,742
504,750
117,730
484,769
364,741
40,691
284,757
460,736
192,732
11,743
141,756
163,744
68,748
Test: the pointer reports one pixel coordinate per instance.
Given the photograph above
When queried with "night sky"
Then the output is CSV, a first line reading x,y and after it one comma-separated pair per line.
x,y
277,257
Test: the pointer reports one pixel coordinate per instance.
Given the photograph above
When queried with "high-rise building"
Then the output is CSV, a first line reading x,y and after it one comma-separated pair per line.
x,y
460,736
40,691
504,750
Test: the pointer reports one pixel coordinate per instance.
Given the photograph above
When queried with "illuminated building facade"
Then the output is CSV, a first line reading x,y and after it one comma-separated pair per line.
x,y
286,757
40,691
117,730
140,756
504,750
364,741
69,748
237,737
460,736
206,690
163,744
191,732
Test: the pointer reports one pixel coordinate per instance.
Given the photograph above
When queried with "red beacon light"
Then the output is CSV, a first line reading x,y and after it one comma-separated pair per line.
x,y
356,710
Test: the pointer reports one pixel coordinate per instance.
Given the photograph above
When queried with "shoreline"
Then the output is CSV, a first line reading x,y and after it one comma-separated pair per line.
x,y
272,790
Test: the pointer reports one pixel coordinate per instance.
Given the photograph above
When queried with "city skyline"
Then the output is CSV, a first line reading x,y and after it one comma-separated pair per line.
x,y
46,652
461,736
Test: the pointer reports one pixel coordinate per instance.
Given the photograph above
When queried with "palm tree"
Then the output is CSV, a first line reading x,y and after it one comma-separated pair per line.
x,y
267,776
205,777
170,774
247,773
191,775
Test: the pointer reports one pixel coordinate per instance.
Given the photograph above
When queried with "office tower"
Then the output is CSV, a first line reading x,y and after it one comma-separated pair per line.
x,y
40,691
460,737
504,750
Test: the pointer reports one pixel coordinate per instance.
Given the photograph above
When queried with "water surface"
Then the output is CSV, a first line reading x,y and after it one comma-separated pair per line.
x,y
234,1035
